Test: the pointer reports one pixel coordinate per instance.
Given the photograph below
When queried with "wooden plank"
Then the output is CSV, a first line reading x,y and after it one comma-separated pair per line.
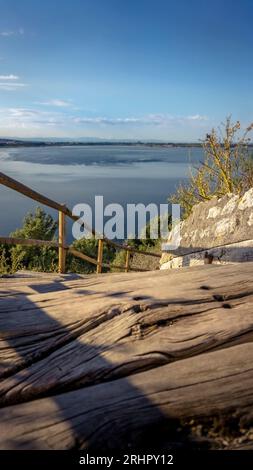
x,y
120,414
117,354
156,285
137,326
117,343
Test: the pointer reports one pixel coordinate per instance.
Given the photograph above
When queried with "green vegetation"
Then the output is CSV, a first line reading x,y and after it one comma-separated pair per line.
x,y
227,167
40,226
90,248
5,267
146,243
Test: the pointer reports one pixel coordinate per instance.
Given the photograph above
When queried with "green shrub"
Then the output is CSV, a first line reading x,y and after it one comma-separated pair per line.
x,y
145,243
89,247
227,167
119,260
5,264
40,226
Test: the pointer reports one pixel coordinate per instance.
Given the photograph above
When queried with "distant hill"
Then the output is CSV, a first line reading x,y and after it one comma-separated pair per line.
x,y
36,142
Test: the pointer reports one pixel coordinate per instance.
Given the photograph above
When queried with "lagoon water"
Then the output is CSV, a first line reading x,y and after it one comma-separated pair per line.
x,y
71,175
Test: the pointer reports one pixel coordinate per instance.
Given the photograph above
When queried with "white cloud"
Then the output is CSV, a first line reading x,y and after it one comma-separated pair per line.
x,y
11,82
29,118
7,33
9,77
35,121
10,33
21,112
150,119
55,102
7,86
106,120
197,117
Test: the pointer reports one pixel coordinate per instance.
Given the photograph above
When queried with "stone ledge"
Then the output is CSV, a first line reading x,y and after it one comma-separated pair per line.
x,y
234,253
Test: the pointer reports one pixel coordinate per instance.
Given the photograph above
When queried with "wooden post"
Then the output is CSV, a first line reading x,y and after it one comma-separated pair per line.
x,y
61,240
100,256
127,261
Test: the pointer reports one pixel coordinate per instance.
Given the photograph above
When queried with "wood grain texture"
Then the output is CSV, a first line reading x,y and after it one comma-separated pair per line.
x,y
105,415
91,361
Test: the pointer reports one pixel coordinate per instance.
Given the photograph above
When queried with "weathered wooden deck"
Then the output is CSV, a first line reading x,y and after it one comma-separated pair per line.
x,y
96,362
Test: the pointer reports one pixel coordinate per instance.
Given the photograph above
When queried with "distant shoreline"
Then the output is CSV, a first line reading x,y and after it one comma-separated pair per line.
x,y
7,143
10,143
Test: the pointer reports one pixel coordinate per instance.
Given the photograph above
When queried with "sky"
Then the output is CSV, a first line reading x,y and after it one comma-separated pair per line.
x,y
115,69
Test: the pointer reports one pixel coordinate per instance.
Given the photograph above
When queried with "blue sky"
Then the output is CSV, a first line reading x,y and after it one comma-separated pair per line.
x,y
135,69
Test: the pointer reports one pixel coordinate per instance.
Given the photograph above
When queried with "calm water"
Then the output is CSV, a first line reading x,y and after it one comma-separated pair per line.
x,y
76,174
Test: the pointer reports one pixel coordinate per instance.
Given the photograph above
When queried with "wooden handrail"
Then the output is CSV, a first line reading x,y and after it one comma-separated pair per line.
x,y
35,196
81,255
55,244
64,211
140,252
26,191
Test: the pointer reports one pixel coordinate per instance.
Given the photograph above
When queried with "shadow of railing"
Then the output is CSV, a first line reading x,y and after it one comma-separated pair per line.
x,y
58,360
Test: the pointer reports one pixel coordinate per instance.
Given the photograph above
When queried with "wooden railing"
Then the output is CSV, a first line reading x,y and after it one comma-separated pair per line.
x,y
63,248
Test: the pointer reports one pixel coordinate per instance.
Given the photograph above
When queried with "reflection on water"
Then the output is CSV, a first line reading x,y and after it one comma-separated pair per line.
x,y
76,174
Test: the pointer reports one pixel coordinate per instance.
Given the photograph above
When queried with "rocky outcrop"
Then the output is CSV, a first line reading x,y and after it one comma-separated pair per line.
x,y
220,230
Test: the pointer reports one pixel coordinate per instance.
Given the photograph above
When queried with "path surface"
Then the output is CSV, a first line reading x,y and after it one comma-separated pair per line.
x,y
116,361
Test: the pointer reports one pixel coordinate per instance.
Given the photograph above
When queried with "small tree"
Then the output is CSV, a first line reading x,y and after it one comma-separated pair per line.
x,y
227,167
5,264
40,226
